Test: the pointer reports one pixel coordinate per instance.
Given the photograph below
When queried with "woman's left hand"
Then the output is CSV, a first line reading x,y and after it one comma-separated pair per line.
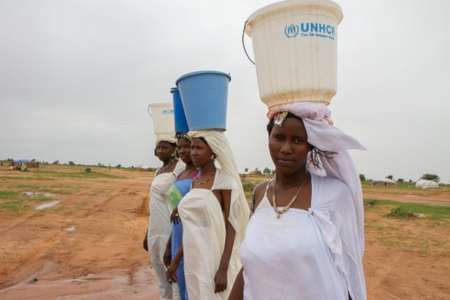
x,y
220,280
174,217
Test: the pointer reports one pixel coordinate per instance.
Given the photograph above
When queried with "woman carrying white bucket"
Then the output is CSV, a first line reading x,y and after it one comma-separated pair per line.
x,y
305,238
159,227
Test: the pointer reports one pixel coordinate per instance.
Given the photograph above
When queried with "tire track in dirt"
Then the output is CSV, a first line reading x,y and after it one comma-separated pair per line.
x,y
106,202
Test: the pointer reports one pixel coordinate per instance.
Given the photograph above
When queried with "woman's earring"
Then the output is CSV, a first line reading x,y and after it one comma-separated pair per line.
x,y
213,156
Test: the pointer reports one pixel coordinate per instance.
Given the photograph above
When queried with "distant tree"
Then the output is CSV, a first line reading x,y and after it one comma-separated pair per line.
x,y
71,163
56,162
267,171
430,177
391,177
400,180
119,166
246,170
362,177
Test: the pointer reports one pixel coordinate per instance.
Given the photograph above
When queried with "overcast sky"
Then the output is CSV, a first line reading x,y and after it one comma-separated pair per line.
x,y
77,76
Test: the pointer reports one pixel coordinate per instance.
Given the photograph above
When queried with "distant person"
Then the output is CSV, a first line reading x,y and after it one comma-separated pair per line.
x,y
305,238
177,191
159,227
214,214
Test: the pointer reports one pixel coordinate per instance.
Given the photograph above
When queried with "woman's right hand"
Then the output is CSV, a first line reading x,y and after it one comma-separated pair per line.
x,y
171,273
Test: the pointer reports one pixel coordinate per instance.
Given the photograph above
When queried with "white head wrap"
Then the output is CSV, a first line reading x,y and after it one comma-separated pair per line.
x,y
221,147
165,138
326,137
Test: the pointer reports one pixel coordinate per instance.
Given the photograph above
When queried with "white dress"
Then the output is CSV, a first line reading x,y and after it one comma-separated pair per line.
x,y
159,228
305,254
204,236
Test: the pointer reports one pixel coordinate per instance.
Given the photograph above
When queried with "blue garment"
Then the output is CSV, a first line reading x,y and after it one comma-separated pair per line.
x,y
177,191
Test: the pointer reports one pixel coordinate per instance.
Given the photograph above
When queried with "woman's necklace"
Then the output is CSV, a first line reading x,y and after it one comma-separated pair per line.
x,y
207,180
164,168
284,209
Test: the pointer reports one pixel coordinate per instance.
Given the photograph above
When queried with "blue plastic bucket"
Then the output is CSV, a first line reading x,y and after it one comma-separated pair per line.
x,y
181,124
204,95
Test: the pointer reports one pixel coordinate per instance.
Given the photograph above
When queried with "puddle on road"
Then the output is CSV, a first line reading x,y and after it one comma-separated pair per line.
x,y
72,228
47,205
35,194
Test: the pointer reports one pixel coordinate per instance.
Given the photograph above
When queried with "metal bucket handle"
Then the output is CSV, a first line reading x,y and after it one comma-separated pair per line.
x,y
243,43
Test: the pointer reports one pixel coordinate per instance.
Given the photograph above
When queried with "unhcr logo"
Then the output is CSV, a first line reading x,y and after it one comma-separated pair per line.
x,y
291,31
310,29
167,111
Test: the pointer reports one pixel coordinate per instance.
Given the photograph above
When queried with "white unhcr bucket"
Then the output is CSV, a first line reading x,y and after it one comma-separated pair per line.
x,y
163,118
295,50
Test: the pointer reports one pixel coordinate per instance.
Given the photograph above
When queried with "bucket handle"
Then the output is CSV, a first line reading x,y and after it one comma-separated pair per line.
x,y
243,43
148,110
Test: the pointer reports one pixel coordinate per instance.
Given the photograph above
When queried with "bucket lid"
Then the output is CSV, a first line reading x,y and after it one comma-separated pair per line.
x,y
202,72
324,4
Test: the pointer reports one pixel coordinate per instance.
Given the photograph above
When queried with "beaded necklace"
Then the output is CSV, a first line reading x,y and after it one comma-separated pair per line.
x,y
284,209
164,168
207,180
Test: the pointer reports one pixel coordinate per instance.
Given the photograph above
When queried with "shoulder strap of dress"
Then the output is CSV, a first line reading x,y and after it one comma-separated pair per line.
x,y
267,187
253,196
197,173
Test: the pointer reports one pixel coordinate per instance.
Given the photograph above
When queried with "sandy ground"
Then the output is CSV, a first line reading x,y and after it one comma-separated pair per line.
x,y
89,245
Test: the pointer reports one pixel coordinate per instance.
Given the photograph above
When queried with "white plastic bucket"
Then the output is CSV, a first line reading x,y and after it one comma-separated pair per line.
x,y
163,118
295,50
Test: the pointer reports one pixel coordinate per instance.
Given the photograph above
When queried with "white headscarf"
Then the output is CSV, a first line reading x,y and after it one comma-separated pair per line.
x,y
165,138
323,135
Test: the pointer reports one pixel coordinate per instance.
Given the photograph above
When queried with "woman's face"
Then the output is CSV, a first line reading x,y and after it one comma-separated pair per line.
x,y
288,146
184,150
200,152
164,151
